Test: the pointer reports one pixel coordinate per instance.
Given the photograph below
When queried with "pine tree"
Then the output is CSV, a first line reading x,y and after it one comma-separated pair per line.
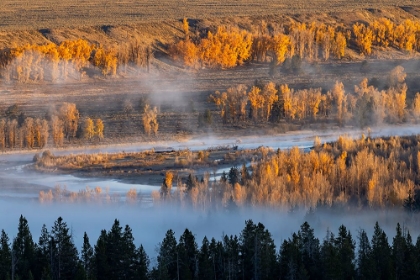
x,y
257,251
5,256
205,262
309,250
290,259
43,254
168,263
87,256
187,255
329,257
129,255
100,257
364,260
64,251
23,251
143,264
115,251
345,248
381,254
217,258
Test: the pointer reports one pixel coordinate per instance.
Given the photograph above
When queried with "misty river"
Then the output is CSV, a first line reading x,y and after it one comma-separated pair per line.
x,y
19,189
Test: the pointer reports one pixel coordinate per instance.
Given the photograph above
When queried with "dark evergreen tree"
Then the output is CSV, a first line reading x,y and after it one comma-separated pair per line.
x,y
345,246
5,256
329,257
191,182
258,252
217,258
410,203
23,252
114,251
403,255
231,257
142,264
87,257
234,176
101,267
168,258
223,177
290,259
416,250
310,251
381,255
43,255
129,255
65,255
187,256
364,259
205,262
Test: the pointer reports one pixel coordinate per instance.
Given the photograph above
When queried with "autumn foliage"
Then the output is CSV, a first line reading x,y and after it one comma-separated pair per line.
x,y
230,47
365,105
52,62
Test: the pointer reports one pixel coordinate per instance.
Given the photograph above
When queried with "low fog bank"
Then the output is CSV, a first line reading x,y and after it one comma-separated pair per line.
x,y
150,225
300,138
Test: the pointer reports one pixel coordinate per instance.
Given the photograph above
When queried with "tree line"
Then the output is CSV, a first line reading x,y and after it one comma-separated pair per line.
x,y
353,173
19,131
71,59
365,105
230,46
250,255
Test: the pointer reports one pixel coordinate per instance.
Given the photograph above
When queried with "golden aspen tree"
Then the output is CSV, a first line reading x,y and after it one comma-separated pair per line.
x,y
99,129
57,128
12,133
314,101
2,134
29,132
88,129
364,38
220,100
239,194
326,42
149,119
299,103
38,133
281,45
286,95
270,96
186,29
256,101
339,96
400,102
69,115
340,45
242,101
416,108
44,134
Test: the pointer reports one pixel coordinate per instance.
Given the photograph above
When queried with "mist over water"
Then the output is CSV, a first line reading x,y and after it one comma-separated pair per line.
x,y
149,225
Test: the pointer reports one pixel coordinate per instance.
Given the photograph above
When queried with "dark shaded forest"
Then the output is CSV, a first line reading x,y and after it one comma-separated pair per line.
x,y
250,255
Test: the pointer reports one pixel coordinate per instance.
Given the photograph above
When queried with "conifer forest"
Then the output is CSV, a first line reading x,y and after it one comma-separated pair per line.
x,y
205,139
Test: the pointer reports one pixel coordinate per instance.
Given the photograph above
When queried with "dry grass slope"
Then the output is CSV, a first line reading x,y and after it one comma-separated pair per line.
x,y
39,14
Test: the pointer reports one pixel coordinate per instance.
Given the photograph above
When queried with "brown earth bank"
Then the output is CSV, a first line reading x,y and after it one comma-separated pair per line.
x,y
39,14
43,22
